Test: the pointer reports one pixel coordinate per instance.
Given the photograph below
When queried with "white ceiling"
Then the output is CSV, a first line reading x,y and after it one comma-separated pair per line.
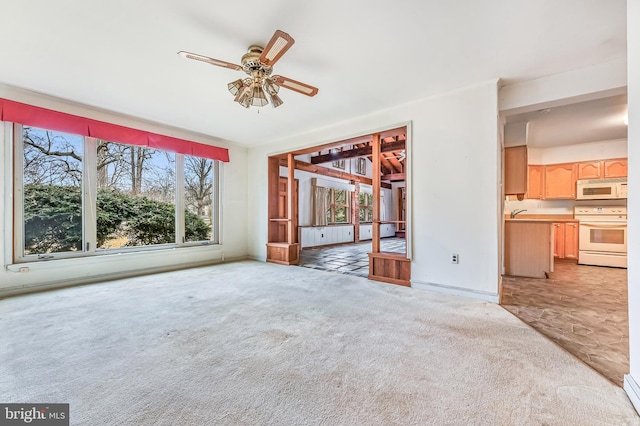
x,y
597,120
364,56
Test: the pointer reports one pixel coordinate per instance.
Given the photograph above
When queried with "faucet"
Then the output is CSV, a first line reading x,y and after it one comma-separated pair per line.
x,y
514,213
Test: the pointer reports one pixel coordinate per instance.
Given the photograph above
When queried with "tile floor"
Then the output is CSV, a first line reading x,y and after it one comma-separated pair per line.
x,y
349,259
581,308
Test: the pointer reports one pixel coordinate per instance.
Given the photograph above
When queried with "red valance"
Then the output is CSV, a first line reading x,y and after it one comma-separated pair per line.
x,y
30,115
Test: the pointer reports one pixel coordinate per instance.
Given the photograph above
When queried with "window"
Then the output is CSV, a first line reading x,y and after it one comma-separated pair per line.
x,y
338,206
340,164
365,208
81,196
361,166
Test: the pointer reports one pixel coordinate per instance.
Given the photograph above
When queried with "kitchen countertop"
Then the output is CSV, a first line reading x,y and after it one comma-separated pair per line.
x,y
524,219
551,218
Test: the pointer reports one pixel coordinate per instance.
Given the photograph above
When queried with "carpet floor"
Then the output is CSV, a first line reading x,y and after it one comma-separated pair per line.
x,y
250,343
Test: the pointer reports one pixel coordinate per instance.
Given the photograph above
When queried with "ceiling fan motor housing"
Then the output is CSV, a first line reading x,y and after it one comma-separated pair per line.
x,y
251,62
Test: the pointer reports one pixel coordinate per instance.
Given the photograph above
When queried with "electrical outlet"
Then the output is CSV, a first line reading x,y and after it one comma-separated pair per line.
x,y
455,258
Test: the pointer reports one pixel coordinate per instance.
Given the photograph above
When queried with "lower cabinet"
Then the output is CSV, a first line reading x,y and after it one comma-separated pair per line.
x,y
311,236
386,230
565,240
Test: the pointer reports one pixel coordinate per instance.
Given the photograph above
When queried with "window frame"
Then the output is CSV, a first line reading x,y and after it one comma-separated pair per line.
x,y
367,206
89,202
332,205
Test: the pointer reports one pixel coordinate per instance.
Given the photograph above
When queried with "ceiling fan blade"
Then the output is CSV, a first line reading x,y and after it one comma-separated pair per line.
x,y
209,60
294,85
278,45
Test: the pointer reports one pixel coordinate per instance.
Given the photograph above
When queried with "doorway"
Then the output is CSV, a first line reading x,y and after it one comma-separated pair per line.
x,y
579,304
351,202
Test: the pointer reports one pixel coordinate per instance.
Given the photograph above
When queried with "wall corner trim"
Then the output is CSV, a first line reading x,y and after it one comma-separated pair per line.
x,y
633,391
456,291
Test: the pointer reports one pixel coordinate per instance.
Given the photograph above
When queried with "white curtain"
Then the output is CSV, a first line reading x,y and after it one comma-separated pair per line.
x,y
319,205
383,208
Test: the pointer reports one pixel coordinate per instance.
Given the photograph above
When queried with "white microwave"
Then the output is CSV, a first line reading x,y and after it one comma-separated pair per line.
x,y
602,189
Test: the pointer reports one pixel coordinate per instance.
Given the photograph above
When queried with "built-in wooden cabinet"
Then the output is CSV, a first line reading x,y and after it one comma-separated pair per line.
x,y
615,168
590,170
565,240
560,181
571,232
558,240
312,236
601,169
386,230
535,184
515,170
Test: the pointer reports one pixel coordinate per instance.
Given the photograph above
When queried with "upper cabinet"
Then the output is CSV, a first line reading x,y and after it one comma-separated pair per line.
x,y
590,170
615,168
602,169
560,181
535,185
515,170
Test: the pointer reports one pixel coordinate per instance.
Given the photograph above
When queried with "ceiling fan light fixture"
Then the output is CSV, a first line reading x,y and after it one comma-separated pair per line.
x,y
244,96
275,100
270,87
235,86
258,97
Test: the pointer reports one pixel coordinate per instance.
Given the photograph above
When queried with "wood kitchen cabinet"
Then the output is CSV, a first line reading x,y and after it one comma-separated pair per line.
x,y
515,170
601,169
590,170
565,240
571,240
558,240
535,185
615,168
560,181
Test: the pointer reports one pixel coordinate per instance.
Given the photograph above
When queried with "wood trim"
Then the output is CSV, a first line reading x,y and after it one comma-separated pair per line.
x,y
375,153
400,133
392,268
324,171
292,225
394,177
355,212
357,152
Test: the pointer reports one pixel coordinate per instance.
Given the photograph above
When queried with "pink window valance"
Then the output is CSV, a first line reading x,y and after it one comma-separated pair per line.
x,y
30,115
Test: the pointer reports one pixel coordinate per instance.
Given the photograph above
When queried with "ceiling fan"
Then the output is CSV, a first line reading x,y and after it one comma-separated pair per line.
x,y
258,63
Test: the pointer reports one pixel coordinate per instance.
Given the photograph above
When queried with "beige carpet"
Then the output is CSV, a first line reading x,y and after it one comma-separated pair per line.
x,y
253,343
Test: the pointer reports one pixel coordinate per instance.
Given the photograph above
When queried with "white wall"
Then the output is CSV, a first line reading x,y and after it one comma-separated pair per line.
x,y
633,51
454,156
580,152
70,271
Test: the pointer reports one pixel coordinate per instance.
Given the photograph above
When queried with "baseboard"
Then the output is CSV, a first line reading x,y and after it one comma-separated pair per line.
x,y
52,285
456,291
633,391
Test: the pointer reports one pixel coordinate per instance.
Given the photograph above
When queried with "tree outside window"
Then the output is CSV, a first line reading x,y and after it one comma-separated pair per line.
x,y
365,207
136,203
338,206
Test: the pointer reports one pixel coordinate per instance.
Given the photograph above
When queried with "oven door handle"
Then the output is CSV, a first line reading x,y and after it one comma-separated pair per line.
x,y
593,225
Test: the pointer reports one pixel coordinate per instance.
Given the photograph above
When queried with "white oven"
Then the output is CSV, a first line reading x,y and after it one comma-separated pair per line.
x,y
602,236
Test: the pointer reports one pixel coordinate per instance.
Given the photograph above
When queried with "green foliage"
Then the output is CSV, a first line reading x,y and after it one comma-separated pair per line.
x,y
53,219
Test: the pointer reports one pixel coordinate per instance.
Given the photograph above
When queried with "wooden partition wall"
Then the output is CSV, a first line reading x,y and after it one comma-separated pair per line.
x,y
393,268
282,246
